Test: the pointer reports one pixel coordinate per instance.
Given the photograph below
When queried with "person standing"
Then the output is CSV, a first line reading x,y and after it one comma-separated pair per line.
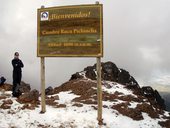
x,y
17,72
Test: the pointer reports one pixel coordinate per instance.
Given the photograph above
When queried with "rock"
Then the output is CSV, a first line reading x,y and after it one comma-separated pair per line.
x,y
49,91
28,106
148,91
124,77
89,68
133,82
27,97
109,71
6,87
76,76
165,124
90,72
147,108
24,87
130,112
61,106
6,104
91,75
55,97
52,100
8,101
154,97
78,105
160,100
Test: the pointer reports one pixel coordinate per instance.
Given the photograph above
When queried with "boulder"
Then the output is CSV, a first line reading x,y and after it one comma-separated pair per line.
x,y
148,91
90,73
76,76
49,91
124,77
28,97
24,87
109,71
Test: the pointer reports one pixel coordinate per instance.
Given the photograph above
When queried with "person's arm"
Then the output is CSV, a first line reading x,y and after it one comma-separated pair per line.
x,y
14,64
21,64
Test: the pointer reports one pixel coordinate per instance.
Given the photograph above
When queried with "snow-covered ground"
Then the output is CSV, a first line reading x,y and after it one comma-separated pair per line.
x,y
72,116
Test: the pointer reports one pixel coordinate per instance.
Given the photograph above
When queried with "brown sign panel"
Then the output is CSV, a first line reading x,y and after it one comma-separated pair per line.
x,y
70,31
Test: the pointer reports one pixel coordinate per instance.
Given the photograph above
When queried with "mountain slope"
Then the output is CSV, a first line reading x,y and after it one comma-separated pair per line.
x,y
74,104
73,109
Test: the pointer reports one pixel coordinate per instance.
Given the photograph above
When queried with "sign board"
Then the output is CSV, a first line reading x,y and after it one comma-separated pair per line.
x,y
70,31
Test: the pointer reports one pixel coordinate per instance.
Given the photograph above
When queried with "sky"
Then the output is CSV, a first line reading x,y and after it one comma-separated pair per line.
x,y
136,38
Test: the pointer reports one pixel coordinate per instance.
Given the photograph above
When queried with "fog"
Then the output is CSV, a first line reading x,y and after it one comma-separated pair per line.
x,y
136,38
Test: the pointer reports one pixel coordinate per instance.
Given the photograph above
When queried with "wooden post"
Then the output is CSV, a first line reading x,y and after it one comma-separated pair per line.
x,y
99,92
43,106
99,89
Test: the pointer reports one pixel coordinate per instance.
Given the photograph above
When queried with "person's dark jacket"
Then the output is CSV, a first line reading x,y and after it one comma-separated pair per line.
x,y
17,65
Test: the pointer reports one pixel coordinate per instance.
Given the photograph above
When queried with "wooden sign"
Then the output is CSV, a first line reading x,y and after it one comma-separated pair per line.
x,y
70,31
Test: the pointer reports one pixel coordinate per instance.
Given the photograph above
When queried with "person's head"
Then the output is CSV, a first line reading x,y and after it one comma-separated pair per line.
x,y
16,55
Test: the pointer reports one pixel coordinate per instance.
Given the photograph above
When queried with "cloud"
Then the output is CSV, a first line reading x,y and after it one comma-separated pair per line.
x,y
136,38
151,55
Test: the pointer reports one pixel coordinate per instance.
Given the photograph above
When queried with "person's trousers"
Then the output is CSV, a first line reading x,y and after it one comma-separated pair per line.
x,y
16,80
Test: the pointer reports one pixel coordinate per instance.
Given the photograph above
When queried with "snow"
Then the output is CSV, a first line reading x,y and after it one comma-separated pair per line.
x,y
133,105
66,97
80,118
72,116
83,73
117,87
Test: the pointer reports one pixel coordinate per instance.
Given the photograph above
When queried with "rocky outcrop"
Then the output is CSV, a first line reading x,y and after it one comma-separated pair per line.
x,y
23,87
76,76
126,79
90,72
110,72
154,97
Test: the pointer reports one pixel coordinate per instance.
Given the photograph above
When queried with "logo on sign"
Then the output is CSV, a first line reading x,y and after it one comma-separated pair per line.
x,y
44,16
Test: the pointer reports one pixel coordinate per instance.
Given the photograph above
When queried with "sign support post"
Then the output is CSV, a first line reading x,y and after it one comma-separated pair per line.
x,y
99,92
99,89
43,104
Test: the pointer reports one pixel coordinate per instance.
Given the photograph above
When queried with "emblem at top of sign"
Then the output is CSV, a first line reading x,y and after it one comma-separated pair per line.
x,y
44,16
